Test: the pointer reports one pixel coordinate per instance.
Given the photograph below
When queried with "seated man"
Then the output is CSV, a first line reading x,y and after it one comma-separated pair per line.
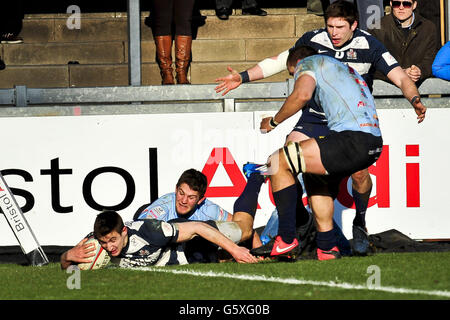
x,y
410,38
154,242
354,142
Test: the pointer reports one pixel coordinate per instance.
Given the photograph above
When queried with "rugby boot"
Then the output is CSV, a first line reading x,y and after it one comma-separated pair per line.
x,y
277,248
331,254
360,241
250,168
164,58
183,58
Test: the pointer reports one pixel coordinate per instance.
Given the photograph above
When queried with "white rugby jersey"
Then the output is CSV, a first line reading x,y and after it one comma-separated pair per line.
x,y
363,52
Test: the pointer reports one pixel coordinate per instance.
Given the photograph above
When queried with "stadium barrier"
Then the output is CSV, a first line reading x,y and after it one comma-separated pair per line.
x,y
104,159
264,96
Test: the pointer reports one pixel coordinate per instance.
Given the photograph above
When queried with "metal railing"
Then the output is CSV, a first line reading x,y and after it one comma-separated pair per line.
x,y
24,101
180,98
134,42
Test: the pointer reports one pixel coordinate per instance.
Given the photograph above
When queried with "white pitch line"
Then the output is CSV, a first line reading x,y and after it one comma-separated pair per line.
x,y
332,284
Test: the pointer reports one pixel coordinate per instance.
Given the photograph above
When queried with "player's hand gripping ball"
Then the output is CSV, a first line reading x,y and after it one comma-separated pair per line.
x,y
99,260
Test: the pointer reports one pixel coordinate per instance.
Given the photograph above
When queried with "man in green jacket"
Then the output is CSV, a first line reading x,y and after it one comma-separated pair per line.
x,y
410,38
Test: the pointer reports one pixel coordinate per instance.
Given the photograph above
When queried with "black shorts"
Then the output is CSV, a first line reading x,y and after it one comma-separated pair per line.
x,y
346,152
319,185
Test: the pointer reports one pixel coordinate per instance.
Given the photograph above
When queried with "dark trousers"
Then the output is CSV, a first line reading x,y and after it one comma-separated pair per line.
x,y
11,16
227,4
172,17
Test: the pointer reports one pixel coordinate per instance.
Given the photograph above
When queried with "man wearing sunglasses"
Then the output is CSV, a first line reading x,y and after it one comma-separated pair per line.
x,y
342,40
410,38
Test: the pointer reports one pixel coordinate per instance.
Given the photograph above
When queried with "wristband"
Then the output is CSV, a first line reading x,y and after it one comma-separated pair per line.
x,y
244,76
413,100
273,123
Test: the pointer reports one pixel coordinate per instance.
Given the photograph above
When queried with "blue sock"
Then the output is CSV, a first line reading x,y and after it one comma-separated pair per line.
x,y
361,204
248,200
326,240
286,202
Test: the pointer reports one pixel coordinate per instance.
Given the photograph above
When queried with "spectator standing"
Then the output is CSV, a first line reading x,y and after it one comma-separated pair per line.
x,y
249,7
171,21
410,38
441,64
11,17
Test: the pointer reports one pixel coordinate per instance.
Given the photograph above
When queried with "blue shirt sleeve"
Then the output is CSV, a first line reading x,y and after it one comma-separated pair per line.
x,y
441,64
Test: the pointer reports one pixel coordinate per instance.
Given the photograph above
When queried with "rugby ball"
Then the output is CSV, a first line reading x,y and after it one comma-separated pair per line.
x,y
99,260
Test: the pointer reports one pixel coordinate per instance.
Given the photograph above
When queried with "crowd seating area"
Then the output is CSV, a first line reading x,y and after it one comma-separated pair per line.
x,y
52,55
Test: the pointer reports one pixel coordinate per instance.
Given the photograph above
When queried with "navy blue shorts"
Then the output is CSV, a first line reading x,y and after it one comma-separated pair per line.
x,y
312,130
311,122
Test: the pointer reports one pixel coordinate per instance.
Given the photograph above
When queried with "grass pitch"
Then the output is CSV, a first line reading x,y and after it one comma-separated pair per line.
x,y
387,276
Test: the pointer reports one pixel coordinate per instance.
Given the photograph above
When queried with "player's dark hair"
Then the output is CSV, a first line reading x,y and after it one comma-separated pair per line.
x,y
299,53
107,221
195,180
342,9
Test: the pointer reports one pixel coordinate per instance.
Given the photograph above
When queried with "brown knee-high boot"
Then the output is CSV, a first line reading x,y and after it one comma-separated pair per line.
x,y
183,57
164,58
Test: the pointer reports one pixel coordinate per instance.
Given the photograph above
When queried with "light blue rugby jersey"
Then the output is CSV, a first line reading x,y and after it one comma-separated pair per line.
x,y
342,93
164,209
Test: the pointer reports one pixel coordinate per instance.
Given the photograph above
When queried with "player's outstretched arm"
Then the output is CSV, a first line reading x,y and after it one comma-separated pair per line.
x,y
263,69
399,77
81,253
234,79
189,230
419,108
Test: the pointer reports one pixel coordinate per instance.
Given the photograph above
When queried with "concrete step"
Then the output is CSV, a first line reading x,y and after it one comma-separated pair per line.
x,y
110,75
61,53
100,47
